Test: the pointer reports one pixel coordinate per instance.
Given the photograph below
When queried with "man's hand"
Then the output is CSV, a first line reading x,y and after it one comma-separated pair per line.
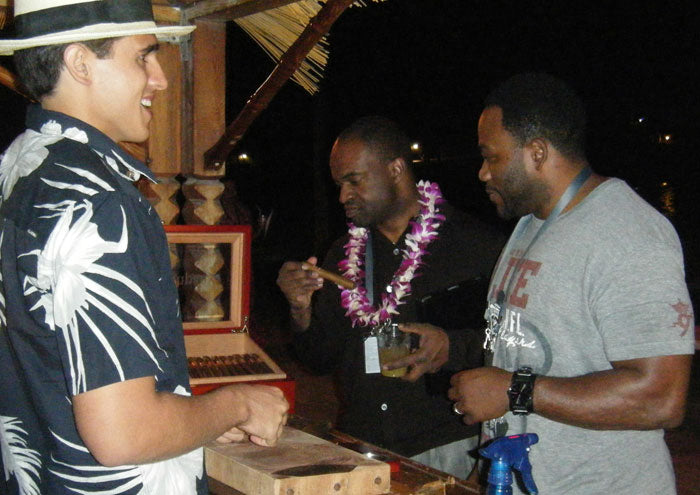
x,y
298,285
232,435
480,394
131,423
432,353
267,414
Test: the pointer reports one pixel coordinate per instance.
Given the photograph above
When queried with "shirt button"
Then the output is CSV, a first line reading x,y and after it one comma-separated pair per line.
x,y
384,407
396,251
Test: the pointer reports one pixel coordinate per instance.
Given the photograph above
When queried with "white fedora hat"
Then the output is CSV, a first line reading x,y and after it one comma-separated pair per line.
x,y
55,22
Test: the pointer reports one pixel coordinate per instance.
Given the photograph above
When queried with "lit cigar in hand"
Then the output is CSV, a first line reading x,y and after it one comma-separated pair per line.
x,y
330,276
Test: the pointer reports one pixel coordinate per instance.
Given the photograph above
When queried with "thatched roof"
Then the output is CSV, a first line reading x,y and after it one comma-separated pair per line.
x,y
273,24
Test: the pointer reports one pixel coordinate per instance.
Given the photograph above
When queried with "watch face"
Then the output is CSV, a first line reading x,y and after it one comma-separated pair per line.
x,y
520,391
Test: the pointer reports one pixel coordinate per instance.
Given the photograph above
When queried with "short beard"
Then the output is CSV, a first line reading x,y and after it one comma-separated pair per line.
x,y
521,195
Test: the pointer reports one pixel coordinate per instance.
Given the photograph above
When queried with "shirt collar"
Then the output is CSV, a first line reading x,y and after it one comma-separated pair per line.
x,y
122,162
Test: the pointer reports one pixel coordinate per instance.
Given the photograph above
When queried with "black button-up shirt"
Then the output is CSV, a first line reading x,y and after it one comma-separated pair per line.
x,y
405,417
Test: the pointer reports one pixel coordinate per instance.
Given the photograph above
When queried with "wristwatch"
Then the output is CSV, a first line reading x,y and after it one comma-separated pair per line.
x,y
522,386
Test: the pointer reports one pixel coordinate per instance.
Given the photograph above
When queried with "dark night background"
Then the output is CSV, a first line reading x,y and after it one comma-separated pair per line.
x,y
428,64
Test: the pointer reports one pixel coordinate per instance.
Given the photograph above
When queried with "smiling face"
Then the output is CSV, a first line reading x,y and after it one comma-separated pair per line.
x,y
366,188
123,87
504,171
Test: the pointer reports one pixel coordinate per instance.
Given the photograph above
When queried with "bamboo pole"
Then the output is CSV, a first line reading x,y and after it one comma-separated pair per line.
x,y
215,157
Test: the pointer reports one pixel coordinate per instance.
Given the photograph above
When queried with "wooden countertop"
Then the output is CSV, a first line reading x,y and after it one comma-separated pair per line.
x,y
407,478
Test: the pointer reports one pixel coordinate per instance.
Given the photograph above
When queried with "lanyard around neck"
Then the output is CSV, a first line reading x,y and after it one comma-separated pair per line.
x,y
563,202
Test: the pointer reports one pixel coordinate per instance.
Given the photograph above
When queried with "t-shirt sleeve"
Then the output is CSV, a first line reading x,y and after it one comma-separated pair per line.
x,y
641,303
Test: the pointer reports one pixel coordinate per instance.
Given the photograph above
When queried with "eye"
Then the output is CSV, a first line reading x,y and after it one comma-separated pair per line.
x,y
146,56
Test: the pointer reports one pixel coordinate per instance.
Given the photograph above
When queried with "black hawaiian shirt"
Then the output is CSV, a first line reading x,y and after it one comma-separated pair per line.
x,y
87,299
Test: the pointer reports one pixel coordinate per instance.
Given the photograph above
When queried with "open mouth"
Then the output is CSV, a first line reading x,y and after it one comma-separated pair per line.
x,y
145,102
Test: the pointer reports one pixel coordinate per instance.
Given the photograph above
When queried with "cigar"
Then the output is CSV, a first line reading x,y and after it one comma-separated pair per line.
x,y
205,367
221,367
241,363
234,369
330,276
258,364
193,367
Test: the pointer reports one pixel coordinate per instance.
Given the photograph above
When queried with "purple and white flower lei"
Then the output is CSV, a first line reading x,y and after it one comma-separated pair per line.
x,y
423,231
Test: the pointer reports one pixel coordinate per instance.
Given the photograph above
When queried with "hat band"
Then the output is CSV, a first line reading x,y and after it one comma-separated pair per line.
x,y
79,15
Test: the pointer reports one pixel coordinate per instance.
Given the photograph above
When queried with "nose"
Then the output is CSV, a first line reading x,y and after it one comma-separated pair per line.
x,y
156,76
484,172
345,194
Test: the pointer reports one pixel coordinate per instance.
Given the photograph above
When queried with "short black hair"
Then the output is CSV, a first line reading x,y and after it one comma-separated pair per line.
x,y
39,67
381,135
541,105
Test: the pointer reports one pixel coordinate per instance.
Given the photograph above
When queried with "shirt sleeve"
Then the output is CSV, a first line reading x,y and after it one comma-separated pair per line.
x,y
641,302
321,346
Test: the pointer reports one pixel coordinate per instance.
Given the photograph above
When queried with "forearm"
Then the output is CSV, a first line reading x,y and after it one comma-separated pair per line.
x,y
131,427
621,398
180,424
300,319
637,394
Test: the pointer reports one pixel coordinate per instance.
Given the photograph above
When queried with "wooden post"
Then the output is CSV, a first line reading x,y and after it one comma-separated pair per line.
x,y
165,143
209,94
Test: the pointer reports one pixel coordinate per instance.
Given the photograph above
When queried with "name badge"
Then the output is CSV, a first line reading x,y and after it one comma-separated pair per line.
x,y
372,355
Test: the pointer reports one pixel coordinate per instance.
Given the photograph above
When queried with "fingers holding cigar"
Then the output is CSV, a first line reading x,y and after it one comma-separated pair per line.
x,y
330,276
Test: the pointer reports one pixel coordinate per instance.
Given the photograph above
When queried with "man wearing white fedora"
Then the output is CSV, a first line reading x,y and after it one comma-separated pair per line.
x,y
94,393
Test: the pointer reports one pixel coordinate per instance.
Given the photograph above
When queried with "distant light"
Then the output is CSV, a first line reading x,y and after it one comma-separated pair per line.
x,y
641,119
667,137
664,184
415,147
668,201
243,157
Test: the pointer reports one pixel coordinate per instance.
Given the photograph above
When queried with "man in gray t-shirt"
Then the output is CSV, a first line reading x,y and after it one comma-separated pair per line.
x,y
590,326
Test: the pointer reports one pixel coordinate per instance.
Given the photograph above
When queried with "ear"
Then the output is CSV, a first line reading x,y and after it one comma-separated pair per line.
x,y
537,151
397,167
77,60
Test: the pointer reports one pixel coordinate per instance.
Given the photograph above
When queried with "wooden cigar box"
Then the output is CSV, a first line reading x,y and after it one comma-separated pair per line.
x,y
300,464
211,268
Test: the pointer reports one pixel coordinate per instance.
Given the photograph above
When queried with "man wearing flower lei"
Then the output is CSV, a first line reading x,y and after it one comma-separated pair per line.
x,y
420,246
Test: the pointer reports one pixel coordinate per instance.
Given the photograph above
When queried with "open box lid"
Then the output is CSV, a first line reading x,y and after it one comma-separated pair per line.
x,y
211,267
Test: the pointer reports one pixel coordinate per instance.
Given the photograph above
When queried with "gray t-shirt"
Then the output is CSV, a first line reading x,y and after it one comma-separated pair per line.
x,y
605,282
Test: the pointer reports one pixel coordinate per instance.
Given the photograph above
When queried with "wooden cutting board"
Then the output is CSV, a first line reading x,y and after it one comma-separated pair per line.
x,y
300,464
